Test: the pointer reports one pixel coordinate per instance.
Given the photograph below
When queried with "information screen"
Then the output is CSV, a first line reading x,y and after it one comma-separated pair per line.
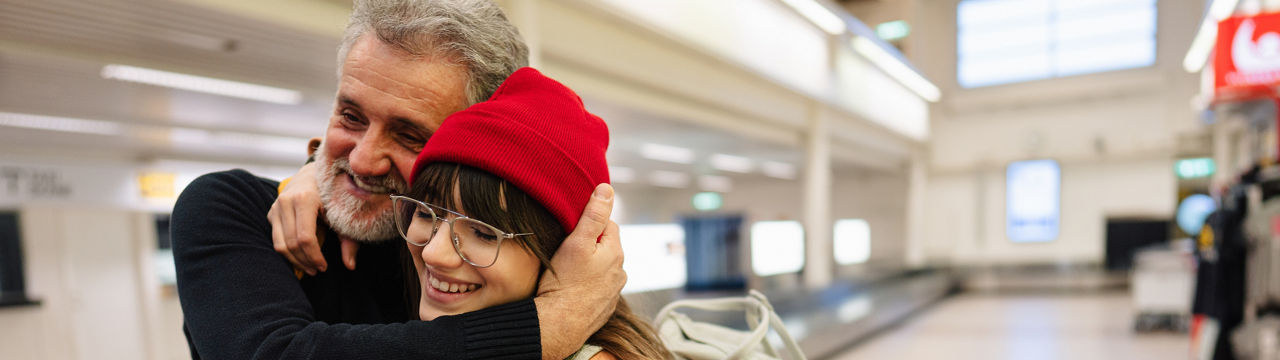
x,y
777,247
1032,200
655,257
852,241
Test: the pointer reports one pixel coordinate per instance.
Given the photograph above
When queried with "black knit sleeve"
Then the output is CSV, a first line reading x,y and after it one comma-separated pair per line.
x,y
240,300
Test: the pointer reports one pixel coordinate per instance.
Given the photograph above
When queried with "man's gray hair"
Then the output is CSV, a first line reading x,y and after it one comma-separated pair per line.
x,y
474,33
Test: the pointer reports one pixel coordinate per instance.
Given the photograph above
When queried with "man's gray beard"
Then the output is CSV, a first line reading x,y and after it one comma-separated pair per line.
x,y
341,208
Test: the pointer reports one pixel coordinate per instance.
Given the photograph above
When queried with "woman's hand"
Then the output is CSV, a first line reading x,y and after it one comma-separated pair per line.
x,y
294,216
293,220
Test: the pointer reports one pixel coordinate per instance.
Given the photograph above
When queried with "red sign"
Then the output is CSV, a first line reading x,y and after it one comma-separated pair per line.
x,y
1246,61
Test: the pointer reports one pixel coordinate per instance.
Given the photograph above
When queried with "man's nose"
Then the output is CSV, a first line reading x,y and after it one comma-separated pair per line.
x,y
371,156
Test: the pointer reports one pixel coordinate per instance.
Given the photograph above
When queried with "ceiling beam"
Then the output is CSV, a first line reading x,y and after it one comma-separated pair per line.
x,y
325,18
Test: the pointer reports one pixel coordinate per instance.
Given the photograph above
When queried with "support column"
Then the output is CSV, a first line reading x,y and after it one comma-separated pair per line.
x,y
917,186
818,260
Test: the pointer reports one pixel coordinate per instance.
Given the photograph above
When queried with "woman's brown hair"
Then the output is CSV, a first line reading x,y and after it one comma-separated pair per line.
x,y
496,202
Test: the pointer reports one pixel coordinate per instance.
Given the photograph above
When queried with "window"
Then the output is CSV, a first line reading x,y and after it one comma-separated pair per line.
x,y
777,247
12,285
852,241
1006,41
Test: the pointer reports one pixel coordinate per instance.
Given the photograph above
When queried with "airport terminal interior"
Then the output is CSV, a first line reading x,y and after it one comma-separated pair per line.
x,y
901,179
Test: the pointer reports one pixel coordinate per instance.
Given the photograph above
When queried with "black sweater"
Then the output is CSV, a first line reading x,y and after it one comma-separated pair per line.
x,y
241,300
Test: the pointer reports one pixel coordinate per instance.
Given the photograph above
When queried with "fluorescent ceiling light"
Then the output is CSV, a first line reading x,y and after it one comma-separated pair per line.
x,y
63,124
202,84
669,179
1204,41
731,163
1201,46
272,143
667,153
1222,9
779,170
190,136
896,69
621,175
280,144
715,183
819,15
179,135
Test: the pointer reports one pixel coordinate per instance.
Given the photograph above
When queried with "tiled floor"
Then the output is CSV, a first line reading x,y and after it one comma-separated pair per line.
x,y
1031,327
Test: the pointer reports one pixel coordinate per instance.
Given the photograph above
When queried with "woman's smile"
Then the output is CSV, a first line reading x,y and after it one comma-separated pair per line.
x,y
447,291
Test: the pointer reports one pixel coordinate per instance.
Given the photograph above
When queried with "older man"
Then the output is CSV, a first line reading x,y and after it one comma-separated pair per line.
x,y
405,65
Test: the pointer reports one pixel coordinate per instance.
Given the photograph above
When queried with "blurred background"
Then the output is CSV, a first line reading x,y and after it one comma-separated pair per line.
x,y
975,179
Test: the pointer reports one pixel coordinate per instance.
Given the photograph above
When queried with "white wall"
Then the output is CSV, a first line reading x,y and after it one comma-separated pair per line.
x,y
88,248
85,266
967,223
881,199
877,197
1115,134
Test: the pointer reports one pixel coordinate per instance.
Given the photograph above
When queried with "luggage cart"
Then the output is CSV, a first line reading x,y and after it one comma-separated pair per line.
x,y
1162,284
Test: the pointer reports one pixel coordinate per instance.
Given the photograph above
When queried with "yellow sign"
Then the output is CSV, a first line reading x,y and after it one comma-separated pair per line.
x,y
1206,238
157,185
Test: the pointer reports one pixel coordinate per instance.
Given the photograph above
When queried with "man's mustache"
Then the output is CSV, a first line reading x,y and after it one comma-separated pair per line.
x,y
383,184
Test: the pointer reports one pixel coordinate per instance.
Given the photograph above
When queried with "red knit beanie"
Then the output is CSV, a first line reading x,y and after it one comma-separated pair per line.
x,y
534,133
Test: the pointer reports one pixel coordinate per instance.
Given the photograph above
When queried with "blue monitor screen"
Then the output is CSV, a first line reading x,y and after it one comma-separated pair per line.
x,y
1032,200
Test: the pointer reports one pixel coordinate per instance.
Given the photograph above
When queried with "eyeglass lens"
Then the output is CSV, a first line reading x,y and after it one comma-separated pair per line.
x,y
477,242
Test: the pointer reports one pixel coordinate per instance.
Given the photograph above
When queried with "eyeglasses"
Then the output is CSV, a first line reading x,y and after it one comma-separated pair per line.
x,y
475,242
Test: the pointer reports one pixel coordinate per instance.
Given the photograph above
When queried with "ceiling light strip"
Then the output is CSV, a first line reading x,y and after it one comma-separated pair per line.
x,y
1207,36
202,84
779,170
63,124
819,15
896,69
731,163
668,153
670,179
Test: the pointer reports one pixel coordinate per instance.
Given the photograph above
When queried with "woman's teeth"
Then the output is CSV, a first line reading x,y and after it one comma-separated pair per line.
x,y
448,287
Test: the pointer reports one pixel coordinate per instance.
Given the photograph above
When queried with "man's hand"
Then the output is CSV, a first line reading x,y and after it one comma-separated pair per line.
x,y
577,302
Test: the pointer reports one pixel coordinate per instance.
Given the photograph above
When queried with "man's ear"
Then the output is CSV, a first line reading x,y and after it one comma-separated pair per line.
x,y
313,145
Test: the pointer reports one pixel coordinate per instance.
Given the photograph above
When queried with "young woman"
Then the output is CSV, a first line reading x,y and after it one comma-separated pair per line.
x,y
495,190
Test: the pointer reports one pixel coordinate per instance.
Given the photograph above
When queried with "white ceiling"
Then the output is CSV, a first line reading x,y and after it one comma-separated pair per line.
x,y
52,52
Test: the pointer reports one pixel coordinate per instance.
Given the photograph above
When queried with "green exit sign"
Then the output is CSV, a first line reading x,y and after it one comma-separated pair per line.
x,y
707,201
893,30
1194,168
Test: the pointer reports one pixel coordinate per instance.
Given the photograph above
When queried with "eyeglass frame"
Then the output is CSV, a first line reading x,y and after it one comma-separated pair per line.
x,y
435,226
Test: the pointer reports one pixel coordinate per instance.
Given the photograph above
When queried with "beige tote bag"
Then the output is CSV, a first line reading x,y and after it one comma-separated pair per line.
x,y
693,340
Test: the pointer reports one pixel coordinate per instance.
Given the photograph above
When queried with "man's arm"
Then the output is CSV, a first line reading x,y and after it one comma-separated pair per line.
x,y
240,299
587,283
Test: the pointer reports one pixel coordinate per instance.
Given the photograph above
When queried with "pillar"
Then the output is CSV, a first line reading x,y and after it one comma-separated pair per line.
x,y
819,263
